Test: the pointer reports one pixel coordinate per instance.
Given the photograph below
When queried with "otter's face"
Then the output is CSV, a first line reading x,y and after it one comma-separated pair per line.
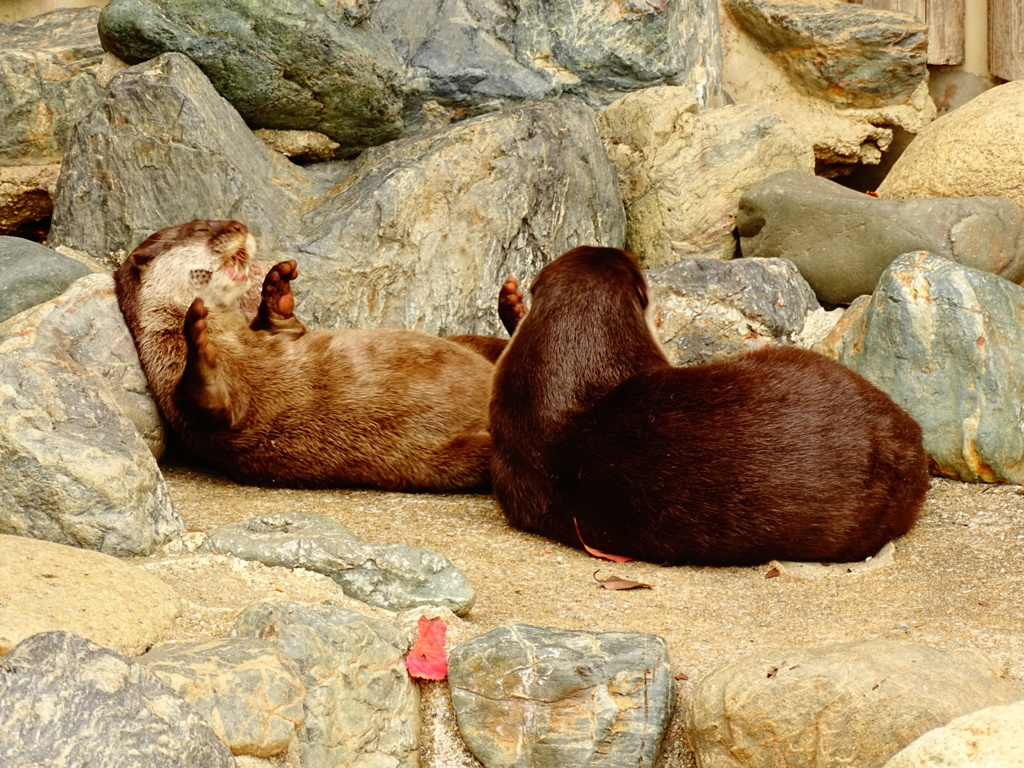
x,y
207,260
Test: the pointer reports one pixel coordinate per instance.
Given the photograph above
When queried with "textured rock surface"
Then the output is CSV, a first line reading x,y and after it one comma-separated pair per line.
x,y
472,55
989,738
847,704
166,111
842,135
361,709
853,55
286,64
391,576
247,691
974,150
705,309
945,341
585,698
681,172
48,67
842,240
419,234
73,467
31,274
48,77
66,702
46,587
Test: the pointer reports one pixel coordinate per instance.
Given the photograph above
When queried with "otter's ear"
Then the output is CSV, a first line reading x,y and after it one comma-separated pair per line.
x,y
641,295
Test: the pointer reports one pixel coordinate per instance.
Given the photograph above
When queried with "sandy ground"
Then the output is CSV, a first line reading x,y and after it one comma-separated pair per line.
x,y
956,581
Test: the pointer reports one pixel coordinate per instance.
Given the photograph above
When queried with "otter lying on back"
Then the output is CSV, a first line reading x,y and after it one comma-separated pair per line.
x,y
272,403
781,453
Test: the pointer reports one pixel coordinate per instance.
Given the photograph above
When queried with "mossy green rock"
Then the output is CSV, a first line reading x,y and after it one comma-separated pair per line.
x,y
945,341
283,64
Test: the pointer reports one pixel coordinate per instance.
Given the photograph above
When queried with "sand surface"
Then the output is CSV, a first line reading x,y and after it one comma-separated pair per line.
x,y
956,581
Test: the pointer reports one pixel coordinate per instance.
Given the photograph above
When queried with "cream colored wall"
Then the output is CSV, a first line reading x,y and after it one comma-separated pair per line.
x,y
14,10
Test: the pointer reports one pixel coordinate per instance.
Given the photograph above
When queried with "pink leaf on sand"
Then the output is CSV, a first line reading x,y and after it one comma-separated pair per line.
x,y
597,552
427,659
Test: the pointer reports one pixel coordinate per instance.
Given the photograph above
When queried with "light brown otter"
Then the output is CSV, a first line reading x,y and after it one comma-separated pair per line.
x,y
781,453
271,402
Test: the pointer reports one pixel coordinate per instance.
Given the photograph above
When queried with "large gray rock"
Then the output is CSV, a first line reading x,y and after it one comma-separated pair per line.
x,y
45,587
842,240
247,691
989,738
973,150
48,77
853,55
682,171
66,702
839,705
549,698
824,67
31,274
361,708
286,64
390,576
946,342
472,55
705,309
202,161
74,468
418,234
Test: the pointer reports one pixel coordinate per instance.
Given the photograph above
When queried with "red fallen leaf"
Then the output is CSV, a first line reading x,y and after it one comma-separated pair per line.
x,y
682,676
872,193
617,582
427,659
597,552
773,573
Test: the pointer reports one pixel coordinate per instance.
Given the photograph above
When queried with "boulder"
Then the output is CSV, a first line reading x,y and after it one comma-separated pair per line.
x,y
361,709
468,56
989,738
945,342
824,67
31,274
284,64
48,76
247,691
73,467
585,698
67,702
842,240
45,587
682,171
704,310
973,150
390,576
822,707
417,234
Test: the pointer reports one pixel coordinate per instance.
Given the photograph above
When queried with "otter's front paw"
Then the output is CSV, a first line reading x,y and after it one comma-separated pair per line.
x,y
511,309
277,292
195,333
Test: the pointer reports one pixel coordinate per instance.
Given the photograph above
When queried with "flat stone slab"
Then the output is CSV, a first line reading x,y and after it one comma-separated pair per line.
x,y
46,586
391,576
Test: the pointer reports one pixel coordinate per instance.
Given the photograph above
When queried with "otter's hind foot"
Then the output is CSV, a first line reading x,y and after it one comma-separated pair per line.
x,y
511,309
277,303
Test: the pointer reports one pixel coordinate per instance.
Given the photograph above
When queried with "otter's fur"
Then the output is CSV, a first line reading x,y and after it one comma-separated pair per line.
x,y
270,402
781,453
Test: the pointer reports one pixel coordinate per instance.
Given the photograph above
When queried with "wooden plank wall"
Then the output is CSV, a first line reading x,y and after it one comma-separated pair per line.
x,y
1006,38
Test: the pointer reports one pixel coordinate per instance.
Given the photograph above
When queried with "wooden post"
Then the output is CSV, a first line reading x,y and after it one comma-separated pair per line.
x,y
1006,39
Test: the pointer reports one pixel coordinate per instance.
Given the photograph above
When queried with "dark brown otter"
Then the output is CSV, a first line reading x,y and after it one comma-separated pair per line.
x,y
270,402
781,453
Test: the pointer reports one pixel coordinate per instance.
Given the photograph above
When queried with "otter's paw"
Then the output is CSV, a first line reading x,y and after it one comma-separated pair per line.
x,y
277,292
195,333
511,309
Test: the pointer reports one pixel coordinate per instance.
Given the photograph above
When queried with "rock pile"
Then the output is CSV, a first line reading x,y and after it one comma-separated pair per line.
x,y
458,143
